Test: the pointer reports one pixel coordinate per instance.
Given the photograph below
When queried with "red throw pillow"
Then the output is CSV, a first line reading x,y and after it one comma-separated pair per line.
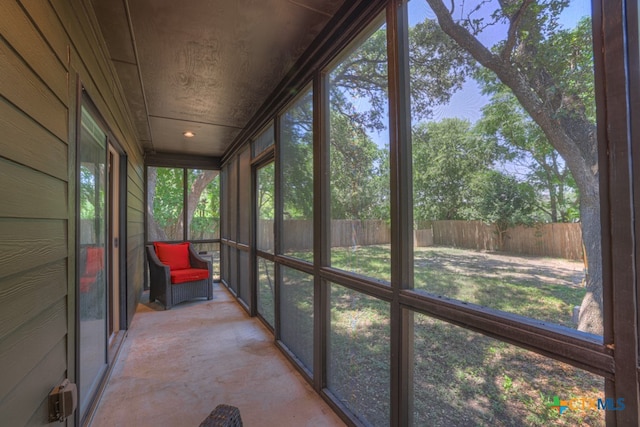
x,y
176,256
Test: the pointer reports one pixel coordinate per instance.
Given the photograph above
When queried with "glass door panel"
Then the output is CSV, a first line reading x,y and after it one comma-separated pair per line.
x,y
92,227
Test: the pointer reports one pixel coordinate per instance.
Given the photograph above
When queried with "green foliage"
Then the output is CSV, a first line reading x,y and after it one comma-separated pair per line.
x,y
266,192
297,159
447,155
168,201
359,173
205,221
558,63
358,105
501,200
362,76
166,192
89,194
438,68
525,145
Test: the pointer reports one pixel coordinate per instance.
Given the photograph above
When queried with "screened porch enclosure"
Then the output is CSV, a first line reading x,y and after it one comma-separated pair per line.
x,y
420,230
426,209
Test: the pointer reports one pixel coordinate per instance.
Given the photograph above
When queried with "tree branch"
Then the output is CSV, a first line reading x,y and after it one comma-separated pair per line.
x,y
514,24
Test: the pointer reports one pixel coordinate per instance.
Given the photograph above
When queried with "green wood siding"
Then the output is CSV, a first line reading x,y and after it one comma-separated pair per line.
x,y
45,48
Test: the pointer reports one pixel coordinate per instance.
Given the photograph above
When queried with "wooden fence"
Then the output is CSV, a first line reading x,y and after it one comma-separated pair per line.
x,y
558,240
298,234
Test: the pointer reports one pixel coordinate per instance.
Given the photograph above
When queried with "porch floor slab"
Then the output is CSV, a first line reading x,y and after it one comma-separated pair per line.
x,y
177,365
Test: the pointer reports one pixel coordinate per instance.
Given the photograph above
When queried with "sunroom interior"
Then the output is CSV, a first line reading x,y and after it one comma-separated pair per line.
x,y
429,206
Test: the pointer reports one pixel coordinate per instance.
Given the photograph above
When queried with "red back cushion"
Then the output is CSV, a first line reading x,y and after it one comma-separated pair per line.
x,y
176,256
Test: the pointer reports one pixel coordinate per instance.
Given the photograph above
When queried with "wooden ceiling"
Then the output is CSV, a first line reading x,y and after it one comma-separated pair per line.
x,y
205,66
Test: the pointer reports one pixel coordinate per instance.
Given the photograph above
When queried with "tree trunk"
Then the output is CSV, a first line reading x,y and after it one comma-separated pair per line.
x,y
590,318
195,191
553,200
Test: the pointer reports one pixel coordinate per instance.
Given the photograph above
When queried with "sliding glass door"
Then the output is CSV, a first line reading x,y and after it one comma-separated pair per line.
x,y
92,258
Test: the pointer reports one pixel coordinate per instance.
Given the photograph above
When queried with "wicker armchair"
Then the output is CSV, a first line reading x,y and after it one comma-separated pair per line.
x,y
171,286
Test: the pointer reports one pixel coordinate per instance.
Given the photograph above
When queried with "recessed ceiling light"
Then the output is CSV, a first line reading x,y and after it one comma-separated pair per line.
x,y
189,134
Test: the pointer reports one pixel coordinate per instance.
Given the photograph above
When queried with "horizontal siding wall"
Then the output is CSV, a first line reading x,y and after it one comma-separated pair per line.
x,y
135,235
34,172
43,45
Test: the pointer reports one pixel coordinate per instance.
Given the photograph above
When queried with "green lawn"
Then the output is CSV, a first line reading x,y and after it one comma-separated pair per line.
x,y
459,377
533,287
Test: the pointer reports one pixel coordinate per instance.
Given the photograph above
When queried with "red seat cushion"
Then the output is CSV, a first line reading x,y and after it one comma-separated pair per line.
x,y
176,256
86,283
188,275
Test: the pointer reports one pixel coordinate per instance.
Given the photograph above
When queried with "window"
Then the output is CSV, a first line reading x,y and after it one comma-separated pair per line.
x,y
477,380
297,178
265,207
232,199
92,259
296,314
244,196
266,290
359,159
358,354
263,141
165,204
224,197
493,280
500,218
167,189
204,204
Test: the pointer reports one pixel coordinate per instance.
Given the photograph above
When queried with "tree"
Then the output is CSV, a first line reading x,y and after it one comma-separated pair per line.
x,y
164,203
362,76
203,200
297,159
550,72
501,200
265,192
199,180
509,126
357,172
447,155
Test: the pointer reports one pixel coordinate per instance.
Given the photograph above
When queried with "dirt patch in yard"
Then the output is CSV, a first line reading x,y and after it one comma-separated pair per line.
x,y
497,264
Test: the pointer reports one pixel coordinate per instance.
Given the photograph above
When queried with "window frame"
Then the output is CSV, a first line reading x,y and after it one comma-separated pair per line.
x,y
615,356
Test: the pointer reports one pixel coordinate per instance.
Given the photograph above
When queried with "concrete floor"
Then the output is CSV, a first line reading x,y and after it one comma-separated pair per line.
x,y
176,366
